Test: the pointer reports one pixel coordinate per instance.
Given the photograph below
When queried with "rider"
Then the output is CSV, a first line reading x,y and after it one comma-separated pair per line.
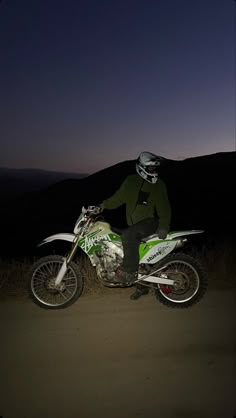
x,y
147,212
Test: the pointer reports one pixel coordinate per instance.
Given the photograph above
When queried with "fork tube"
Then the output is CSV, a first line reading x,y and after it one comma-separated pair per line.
x,y
67,260
61,273
73,251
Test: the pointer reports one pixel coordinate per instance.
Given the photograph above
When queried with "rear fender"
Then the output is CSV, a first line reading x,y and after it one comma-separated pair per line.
x,y
64,237
177,234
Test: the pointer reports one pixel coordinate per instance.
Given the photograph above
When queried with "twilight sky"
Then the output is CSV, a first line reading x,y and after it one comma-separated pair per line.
x,y
86,84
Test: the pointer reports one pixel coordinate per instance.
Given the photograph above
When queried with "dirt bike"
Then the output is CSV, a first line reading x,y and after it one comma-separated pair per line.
x,y
177,278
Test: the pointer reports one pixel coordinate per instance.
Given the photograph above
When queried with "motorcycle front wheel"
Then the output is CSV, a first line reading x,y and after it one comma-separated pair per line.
x,y
42,288
190,281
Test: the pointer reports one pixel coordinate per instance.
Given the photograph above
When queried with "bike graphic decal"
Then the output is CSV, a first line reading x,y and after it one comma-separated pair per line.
x,y
144,248
94,240
155,252
89,242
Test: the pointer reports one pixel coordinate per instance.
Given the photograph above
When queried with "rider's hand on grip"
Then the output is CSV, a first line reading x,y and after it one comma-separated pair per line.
x,y
101,207
96,209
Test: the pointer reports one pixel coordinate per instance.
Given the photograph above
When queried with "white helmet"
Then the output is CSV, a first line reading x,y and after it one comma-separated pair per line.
x,y
147,166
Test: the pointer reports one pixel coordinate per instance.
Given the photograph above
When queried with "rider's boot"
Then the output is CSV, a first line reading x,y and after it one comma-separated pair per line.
x,y
139,291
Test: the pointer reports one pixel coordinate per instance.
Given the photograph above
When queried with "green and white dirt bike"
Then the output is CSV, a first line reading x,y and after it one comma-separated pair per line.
x,y
178,279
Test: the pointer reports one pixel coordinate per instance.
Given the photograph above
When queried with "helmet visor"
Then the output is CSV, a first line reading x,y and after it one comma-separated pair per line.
x,y
151,169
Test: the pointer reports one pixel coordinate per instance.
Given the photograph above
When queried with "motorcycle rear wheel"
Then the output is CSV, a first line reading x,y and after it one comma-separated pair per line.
x,y
42,276
190,277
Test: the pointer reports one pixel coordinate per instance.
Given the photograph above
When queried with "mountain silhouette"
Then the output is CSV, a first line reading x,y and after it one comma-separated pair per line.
x,y
14,181
201,192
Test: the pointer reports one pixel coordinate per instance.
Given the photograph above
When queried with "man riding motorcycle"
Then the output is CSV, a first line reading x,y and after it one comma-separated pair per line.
x,y
147,212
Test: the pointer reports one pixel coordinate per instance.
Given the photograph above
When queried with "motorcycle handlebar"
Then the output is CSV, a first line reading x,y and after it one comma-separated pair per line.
x,y
94,209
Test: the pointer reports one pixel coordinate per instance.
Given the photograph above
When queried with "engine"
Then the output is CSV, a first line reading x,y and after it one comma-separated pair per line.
x,y
109,261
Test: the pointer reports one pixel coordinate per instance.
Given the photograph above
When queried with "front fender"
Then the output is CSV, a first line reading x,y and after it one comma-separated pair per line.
x,y
63,237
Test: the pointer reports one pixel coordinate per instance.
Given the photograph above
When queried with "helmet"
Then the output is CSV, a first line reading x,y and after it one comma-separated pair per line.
x,y
147,166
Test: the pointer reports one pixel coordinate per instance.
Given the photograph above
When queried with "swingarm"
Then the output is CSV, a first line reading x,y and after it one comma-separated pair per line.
x,y
161,279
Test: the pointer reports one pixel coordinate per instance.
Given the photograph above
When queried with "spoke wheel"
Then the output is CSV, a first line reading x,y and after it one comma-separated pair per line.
x,y
190,281
42,283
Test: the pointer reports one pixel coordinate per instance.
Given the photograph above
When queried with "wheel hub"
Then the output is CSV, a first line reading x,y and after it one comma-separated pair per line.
x,y
180,281
52,285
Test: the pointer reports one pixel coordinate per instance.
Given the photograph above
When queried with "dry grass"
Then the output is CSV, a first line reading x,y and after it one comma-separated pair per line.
x,y
14,277
220,263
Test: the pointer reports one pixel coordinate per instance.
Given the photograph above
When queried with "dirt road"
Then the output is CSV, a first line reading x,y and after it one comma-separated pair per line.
x,y
109,357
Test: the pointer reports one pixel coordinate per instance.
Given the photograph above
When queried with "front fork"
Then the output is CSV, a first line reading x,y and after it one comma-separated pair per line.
x,y
66,262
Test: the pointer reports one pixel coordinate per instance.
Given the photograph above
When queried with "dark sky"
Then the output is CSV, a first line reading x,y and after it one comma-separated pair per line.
x,y
86,84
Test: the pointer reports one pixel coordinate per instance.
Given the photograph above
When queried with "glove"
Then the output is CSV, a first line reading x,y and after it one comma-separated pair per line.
x,y
95,209
101,207
162,233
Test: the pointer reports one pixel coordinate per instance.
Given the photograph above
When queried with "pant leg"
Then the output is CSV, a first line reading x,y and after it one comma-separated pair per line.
x,y
130,243
131,238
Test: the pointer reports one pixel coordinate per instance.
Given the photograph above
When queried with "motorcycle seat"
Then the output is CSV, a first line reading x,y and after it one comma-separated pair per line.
x,y
119,232
149,237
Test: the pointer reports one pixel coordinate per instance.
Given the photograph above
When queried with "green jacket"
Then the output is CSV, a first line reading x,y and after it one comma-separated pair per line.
x,y
143,200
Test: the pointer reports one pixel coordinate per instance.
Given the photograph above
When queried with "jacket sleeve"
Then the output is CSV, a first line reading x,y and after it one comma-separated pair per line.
x,y
163,207
117,199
